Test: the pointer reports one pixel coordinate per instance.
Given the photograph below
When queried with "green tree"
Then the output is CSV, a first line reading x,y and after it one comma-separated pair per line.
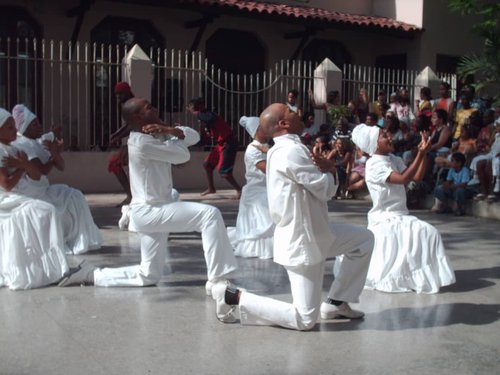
x,y
486,66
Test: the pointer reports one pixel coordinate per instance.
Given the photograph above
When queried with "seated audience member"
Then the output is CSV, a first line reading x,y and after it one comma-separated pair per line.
x,y
445,102
408,254
455,187
31,238
254,231
377,106
80,232
462,115
310,129
362,105
486,167
342,154
291,101
485,138
466,145
401,107
371,119
424,104
356,179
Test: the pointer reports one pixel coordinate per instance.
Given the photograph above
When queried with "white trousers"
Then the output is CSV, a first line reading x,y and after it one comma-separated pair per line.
x,y
495,166
355,243
154,223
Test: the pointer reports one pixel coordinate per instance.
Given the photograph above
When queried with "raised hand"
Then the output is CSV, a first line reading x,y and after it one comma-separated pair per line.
x,y
324,165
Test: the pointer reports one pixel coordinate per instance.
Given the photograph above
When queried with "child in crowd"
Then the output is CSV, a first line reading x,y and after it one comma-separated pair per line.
x,y
466,146
424,104
371,119
455,187
291,101
444,101
310,129
342,154
356,179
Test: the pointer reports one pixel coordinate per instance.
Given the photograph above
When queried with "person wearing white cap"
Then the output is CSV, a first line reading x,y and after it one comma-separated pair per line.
x,y
254,231
31,240
408,254
80,232
154,213
298,192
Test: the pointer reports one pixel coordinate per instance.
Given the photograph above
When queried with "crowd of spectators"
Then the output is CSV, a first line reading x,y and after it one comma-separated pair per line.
x,y
464,158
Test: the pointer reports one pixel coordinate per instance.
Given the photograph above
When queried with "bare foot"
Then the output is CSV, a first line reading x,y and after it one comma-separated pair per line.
x,y
207,192
126,201
238,195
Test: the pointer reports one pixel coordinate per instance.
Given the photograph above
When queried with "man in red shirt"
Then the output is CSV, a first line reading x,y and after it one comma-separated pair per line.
x,y
223,154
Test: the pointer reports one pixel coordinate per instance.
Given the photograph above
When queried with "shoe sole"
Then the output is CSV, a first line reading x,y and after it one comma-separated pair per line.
x,y
326,316
66,278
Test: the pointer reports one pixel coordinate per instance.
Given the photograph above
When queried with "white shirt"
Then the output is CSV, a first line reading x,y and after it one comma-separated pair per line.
x,y
254,156
34,150
388,199
297,193
150,162
24,183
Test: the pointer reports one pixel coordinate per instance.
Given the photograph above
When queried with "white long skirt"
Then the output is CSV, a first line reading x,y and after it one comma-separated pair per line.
x,y
80,232
408,255
31,243
254,231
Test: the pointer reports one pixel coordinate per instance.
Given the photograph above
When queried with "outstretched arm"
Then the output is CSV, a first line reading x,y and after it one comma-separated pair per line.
x,y
416,170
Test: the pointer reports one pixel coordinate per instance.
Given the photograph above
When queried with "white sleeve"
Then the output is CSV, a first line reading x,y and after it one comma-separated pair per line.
x,y
192,137
299,167
172,151
378,171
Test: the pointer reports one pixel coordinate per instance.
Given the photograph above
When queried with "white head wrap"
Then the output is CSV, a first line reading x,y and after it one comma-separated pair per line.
x,y
23,117
4,115
366,138
250,124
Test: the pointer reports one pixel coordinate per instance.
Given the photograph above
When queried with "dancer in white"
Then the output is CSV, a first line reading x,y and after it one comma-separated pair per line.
x,y
298,192
153,213
31,241
254,231
408,254
80,232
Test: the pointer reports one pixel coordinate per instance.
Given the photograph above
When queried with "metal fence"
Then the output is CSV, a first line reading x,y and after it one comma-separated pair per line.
x,y
72,86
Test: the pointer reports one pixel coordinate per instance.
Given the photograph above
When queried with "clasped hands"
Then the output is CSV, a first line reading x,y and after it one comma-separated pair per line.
x,y
324,165
162,129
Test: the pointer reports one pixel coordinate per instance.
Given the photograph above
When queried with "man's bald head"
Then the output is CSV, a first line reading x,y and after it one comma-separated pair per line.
x,y
270,118
138,112
278,119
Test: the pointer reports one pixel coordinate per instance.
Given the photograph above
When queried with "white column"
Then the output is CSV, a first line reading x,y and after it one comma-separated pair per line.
x,y
137,70
426,78
327,77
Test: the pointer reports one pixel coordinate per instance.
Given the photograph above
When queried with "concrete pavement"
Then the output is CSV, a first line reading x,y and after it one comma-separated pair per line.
x,y
171,328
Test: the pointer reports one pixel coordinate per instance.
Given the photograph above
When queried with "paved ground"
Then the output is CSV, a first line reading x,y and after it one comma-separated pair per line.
x,y
172,329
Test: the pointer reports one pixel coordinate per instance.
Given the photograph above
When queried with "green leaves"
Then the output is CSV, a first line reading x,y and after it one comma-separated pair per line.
x,y
486,66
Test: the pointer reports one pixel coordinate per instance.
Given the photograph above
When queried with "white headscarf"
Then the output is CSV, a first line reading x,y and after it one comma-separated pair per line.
x,y
23,117
366,138
4,115
250,124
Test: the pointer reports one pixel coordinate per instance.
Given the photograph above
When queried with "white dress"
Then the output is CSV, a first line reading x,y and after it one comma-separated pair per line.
x,y
31,241
253,234
80,232
408,254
